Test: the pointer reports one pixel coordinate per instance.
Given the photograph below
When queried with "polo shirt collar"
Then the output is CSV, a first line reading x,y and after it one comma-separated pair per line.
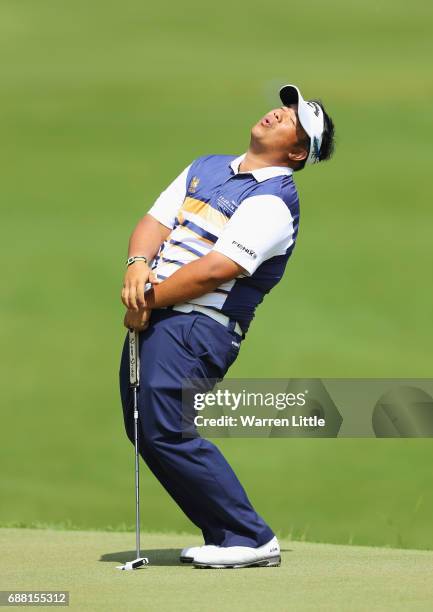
x,y
261,174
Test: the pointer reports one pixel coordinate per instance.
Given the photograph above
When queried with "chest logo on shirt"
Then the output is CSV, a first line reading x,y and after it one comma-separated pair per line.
x,y
227,206
193,184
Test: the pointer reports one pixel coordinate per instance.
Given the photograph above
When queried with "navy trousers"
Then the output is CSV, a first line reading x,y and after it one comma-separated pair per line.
x,y
193,471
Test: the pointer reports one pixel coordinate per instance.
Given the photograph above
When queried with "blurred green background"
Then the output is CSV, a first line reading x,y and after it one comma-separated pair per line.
x,y
102,104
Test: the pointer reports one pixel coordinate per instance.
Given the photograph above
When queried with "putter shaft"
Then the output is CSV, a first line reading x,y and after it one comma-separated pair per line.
x,y
134,382
137,476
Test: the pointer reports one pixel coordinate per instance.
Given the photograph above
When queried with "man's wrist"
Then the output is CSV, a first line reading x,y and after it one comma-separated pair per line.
x,y
131,260
149,298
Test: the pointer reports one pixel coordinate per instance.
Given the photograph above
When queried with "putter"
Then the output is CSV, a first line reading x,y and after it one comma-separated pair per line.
x,y
134,382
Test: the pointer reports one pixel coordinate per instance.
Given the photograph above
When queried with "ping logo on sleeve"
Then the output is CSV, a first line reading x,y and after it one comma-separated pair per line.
x,y
243,248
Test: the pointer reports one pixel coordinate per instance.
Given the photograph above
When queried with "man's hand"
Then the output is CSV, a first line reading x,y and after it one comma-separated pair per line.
x,y
136,277
137,319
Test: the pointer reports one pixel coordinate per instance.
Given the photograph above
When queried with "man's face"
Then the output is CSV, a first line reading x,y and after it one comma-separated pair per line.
x,y
278,131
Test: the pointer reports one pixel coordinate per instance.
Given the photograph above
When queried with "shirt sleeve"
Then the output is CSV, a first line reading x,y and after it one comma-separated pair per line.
x,y
261,228
170,200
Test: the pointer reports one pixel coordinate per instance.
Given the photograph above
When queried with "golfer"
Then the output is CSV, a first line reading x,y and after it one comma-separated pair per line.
x,y
212,246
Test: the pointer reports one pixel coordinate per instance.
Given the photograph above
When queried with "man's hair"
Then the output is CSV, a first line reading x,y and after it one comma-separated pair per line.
x,y
328,144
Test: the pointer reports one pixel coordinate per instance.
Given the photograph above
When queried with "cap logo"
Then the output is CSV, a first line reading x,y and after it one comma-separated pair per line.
x,y
315,108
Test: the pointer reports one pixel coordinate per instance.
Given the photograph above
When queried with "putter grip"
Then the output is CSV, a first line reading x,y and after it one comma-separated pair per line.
x,y
134,359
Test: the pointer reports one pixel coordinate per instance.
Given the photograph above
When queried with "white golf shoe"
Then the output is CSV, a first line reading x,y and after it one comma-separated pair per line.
x,y
187,555
219,557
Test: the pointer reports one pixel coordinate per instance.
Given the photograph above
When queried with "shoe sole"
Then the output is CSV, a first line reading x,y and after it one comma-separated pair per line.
x,y
271,562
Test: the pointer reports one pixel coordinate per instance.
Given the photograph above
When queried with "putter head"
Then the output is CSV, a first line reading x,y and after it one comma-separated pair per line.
x,y
132,565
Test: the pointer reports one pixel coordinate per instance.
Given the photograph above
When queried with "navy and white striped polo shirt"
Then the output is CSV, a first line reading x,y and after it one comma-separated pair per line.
x,y
251,217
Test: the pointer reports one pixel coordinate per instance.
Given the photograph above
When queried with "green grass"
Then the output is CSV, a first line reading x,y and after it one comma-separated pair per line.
x,y
342,491
311,576
102,104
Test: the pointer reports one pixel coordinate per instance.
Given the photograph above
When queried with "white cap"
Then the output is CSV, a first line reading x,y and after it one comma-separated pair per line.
x,y
310,116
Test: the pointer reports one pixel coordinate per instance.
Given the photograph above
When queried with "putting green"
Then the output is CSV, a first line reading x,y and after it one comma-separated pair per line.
x,y
311,575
